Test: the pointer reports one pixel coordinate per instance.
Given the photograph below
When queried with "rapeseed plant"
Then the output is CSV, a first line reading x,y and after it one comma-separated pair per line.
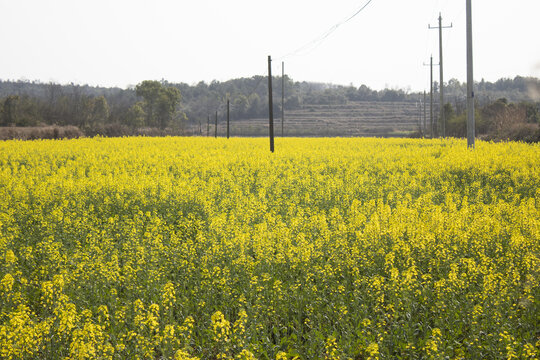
x,y
193,248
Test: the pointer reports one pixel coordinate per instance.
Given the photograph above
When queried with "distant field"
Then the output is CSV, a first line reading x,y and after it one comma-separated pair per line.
x,y
376,119
196,248
381,119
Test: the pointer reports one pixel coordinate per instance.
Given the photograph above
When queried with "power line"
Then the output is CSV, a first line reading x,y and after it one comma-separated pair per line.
x,y
312,45
356,13
261,78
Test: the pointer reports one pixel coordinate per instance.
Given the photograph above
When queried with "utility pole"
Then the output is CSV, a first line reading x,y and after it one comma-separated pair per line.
x,y
431,97
425,129
441,83
227,118
208,126
282,95
270,105
431,94
470,80
216,126
419,108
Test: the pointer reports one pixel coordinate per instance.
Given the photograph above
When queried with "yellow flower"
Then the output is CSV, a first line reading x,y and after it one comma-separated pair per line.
x,y
6,284
245,355
331,348
168,296
220,327
373,351
10,257
183,355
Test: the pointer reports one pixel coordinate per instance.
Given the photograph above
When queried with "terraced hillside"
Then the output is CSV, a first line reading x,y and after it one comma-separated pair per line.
x,y
351,119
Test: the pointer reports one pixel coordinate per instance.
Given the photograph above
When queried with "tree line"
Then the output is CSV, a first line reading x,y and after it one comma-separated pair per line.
x,y
93,110
171,108
497,120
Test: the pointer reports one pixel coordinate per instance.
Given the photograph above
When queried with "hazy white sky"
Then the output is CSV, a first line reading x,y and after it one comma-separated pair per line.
x,y
122,42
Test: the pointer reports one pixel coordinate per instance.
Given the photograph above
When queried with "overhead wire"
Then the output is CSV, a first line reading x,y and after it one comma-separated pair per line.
x,y
312,45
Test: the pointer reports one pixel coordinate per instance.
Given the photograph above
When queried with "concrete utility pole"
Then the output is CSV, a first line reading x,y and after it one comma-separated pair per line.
x,y
470,80
215,135
419,107
282,96
270,105
208,126
425,129
431,94
441,84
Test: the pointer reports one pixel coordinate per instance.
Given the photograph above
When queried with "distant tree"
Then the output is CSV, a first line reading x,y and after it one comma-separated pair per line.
x,y
21,110
455,125
100,112
83,108
448,110
63,112
160,102
491,114
136,115
28,112
508,117
53,94
255,105
166,104
293,102
364,93
506,120
532,112
393,95
241,105
149,90
9,110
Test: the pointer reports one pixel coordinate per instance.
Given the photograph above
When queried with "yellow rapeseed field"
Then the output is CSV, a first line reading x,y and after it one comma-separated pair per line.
x,y
202,248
